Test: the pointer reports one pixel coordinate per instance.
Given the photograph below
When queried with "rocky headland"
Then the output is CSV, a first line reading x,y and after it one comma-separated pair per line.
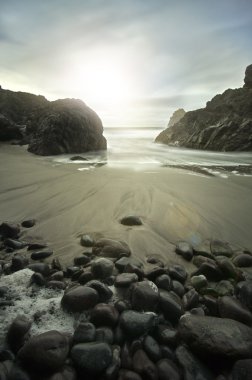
x,y
49,128
225,124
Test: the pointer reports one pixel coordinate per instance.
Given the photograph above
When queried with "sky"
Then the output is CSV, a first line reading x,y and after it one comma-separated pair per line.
x,y
133,61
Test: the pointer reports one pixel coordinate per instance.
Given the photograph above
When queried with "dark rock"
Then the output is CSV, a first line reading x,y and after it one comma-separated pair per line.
x,y
198,260
32,246
242,370
111,248
112,371
42,268
125,374
199,282
152,348
203,250
38,279
18,262
73,270
245,294
243,260
155,272
190,299
197,311
6,355
17,373
78,158
45,352
228,269
164,282
144,366
84,333
122,263
86,277
230,307
210,271
131,220
185,250
135,324
104,292
133,268
3,291
223,125
218,337
124,280
79,298
171,306
166,335
193,368
211,304
167,370
104,315
67,126
18,332
122,305
224,288
93,357
156,260
87,241
104,334
15,244
248,77
9,230
102,268
178,288
177,272
176,116
54,284
126,358
57,276
9,130
40,255
29,223
220,248
144,296
81,260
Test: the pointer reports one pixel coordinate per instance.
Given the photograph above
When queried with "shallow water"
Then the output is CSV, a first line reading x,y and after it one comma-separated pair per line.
x,y
135,148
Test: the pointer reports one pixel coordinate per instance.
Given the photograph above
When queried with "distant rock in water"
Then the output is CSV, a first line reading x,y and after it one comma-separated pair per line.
x,y
50,128
225,124
176,116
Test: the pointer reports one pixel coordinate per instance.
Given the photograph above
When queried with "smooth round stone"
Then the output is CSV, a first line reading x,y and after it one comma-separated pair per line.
x,y
102,268
220,248
167,370
15,244
54,284
243,260
85,277
87,241
224,288
93,357
41,268
40,255
164,282
111,248
126,374
124,261
124,280
190,299
36,245
178,288
230,307
166,335
211,271
144,366
105,293
45,352
185,250
122,305
228,269
28,223
177,272
17,332
144,296
9,230
112,371
171,306
198,260
104,315
84,333
81,260
152,348
79,298
57,276
197,311
135,323
153,273
38,279
19,262
199,282
104,334
131,220
203,250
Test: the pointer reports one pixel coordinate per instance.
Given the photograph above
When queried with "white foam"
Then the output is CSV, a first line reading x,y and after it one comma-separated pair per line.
x,y
27,301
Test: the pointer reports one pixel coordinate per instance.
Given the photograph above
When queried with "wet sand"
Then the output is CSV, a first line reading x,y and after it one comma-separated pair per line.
x,y
173,204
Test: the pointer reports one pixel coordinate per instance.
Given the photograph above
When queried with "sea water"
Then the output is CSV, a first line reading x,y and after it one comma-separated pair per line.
x,y
135,148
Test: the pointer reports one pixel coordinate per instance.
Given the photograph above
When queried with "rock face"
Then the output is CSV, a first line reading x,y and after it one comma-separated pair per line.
x,y
176,116
225,124
50,128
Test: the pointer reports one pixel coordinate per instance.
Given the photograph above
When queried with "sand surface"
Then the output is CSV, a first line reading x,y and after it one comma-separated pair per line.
x,y
173,205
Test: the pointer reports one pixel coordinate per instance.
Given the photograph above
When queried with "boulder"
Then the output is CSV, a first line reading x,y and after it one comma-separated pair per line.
x,y
217,337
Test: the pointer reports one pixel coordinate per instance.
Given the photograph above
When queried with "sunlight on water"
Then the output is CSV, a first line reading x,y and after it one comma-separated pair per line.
x,y
135,148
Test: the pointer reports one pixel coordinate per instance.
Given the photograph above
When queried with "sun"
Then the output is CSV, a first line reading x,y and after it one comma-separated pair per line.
x,y
103,81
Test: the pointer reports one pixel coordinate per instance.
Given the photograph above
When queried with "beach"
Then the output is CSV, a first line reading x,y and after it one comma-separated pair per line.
x,y
173,204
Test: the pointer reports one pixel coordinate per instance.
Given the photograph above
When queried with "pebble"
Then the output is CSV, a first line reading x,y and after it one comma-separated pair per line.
x,y
131,220
102,268
135,324
94,356
79,298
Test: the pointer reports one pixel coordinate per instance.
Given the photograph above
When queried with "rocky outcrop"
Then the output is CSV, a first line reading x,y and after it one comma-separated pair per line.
x,y
50,128
176,116
225,124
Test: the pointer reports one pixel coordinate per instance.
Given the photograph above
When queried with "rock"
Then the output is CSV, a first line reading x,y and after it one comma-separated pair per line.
x,y
84,333
15,244
57,276
210,271
144,366
67,126
78,158
111,248
152,348
93,357
85,277
18,332
104,315
29,223
124,280
41,268
79,298
155,272
32,246
248,77
203,249
211,304
164,282
176,116
166,335
220,248
54,284
190,299
223,125
87,241
38,279
167,370
81,260
171,306
230,307
104,334
242,370
192,367
102,268
178,288
18,262
228,269
185,250
198,260
45,352
218,337
243,260
245,294
104,292
10,230
224,288
199,282
144,296
135,324
41,255
131,220
177,272
125,374
9,130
